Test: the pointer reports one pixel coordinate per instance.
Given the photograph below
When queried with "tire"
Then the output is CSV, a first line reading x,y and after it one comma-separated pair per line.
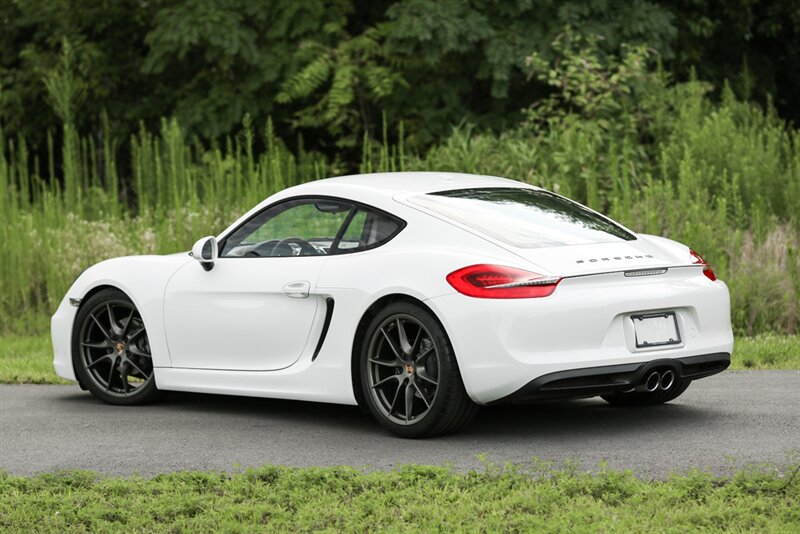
x,y
644,398
409,375
111,352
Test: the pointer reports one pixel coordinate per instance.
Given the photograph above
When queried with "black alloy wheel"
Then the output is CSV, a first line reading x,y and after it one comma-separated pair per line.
x,y
403,369
111,351
409,374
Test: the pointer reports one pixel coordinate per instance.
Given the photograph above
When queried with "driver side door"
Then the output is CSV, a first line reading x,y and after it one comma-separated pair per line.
x,y
255,309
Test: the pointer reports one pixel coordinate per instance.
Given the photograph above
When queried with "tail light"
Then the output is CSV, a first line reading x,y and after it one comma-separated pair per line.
x,y
707,270
499,282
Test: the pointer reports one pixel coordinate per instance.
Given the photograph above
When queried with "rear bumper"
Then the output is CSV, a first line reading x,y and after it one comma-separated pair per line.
x,y
504,344
592,381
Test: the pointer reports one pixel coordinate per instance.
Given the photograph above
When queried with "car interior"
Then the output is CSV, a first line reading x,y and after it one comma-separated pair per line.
x,y
309,228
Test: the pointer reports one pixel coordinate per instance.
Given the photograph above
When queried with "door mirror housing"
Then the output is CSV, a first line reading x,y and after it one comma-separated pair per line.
x,y
205,251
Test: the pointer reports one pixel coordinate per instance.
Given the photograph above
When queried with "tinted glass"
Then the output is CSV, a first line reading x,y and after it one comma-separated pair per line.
x,y
525,218
298,228
352,236
368,229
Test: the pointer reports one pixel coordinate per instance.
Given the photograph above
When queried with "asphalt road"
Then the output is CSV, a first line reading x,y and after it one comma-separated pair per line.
x,y
720,424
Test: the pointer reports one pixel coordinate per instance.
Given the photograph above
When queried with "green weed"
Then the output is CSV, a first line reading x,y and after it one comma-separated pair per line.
x,y
723,178
412,498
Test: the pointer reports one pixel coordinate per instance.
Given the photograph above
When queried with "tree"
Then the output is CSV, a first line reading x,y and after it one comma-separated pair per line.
x,y
753,44
220,59
331,69
462,60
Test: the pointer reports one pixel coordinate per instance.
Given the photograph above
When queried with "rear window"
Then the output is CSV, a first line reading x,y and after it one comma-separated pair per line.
x,y
525,218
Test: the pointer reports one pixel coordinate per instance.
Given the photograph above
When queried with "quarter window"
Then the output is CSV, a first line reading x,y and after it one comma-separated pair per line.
x,y
352,236
368,229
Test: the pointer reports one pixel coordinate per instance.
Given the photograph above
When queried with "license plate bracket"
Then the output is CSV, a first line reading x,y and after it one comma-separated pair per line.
x,y
656,329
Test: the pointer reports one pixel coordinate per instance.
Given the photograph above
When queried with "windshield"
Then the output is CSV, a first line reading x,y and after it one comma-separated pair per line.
x,y
525,218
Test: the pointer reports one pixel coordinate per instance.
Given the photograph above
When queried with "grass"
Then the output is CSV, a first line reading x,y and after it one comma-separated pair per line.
x,y
29,359
722,177
766,351
412,498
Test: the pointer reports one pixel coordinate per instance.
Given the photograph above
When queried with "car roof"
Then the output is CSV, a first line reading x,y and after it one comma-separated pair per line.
x,y
386,191
392,183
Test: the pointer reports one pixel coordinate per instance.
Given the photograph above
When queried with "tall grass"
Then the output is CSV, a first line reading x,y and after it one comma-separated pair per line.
x,y
723,178
54,228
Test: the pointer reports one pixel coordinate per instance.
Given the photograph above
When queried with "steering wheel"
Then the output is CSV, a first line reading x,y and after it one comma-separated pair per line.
x,y
262,249
284,248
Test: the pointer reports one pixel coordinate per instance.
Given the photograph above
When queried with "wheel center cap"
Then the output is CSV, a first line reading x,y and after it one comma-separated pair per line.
x,y
120,348
409,369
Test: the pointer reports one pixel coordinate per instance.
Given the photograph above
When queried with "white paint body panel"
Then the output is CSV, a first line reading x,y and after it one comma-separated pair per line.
x,y
233,331
237,317
589,327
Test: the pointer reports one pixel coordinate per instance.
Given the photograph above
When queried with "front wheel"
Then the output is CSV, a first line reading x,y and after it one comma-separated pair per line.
x,y
110,350
409,374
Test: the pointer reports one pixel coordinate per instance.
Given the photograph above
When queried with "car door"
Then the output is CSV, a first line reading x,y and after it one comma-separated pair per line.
x,y
254,310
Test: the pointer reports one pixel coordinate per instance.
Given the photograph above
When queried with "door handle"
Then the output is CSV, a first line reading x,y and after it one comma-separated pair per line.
x,y
297,290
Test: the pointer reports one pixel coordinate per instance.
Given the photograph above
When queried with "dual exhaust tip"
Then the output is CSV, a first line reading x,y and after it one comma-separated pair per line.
x,y
656,380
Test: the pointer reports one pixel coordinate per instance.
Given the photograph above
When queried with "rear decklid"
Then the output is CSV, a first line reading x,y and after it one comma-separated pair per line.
x,y
577,260
559,236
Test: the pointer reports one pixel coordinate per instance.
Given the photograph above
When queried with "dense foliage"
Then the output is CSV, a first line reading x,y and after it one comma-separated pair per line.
x,y
722,177
496,88
330,68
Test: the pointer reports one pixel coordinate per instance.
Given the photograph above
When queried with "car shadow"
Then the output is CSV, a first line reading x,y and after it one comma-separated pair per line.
x,y
586,418
549,420
238,408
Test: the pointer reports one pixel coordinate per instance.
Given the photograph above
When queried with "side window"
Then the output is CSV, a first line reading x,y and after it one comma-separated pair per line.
x,y
367,229
351,239
294,228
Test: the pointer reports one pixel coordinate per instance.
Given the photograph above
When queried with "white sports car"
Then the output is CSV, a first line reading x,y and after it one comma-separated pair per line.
x,y
419,296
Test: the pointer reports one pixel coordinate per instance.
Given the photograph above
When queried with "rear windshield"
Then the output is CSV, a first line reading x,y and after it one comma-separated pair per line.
x,y
525,218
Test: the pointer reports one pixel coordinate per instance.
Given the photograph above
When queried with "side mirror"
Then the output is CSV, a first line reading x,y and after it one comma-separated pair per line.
x,y
205,251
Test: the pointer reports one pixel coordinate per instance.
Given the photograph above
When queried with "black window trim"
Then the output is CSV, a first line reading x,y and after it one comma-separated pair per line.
x,y
354,207
343,229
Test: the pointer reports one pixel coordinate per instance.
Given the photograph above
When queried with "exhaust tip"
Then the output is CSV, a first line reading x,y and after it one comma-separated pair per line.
x,y
653,381
667,379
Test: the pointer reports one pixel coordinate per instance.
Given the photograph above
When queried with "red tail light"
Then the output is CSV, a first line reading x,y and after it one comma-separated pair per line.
x,y
499,282
707,270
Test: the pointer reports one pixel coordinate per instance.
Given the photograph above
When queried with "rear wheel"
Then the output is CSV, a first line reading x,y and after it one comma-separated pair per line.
x,y
111,351
647,398
409,374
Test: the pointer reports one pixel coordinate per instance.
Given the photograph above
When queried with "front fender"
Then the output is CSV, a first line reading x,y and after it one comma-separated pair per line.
x,y
142,278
